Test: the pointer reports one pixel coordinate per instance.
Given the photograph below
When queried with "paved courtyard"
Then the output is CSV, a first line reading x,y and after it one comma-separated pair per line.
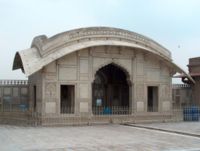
x,y
92,138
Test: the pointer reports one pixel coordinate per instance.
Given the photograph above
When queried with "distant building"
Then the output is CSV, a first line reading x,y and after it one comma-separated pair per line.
x,y
181,95
190,87
194,71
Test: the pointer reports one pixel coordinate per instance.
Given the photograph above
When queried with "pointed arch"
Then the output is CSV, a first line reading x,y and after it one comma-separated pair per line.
x,y
117,64
110,89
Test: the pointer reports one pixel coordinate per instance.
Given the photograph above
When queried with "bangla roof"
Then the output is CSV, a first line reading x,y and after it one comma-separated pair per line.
x,y
46,50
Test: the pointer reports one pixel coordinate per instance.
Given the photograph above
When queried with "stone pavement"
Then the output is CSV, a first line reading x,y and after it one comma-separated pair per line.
x,y
93,138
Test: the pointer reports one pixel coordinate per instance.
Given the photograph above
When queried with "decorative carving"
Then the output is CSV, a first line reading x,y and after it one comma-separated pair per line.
x,y
140,91
51,90
165,91
50,76
122,63
100,62
46,46
66,43
125,63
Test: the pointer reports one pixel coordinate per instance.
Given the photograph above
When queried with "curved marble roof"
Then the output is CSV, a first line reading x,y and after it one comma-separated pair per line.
x,y
45,50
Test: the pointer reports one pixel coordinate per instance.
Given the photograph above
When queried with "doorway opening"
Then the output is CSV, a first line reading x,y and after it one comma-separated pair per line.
x,y
110,91
67,100
152,101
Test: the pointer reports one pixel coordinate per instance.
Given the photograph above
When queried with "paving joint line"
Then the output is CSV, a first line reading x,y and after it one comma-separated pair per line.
x,y
163,130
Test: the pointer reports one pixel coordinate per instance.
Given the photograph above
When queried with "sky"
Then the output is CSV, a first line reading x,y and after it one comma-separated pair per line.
x,y
175,24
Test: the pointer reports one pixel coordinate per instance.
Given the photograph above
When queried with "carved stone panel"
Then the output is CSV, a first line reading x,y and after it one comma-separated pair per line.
x,y
84,77
152,62
50,107
70,59
165,71
113,50
140,91
51,67
50,91
140,68
140,57
84,91
99,62
125,63
153,75
84,53
127,51
50,76
165,91
67,73
166,106
84,107
140,106
84,66
100,49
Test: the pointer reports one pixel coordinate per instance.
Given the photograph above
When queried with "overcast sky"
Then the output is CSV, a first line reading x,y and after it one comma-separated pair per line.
x,y
175,24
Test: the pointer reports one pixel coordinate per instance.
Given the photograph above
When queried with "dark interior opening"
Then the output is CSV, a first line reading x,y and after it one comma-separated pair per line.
x,y
152,99
67,99
110,90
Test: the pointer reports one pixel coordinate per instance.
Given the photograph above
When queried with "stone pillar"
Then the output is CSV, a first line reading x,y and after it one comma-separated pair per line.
x,y
140,93
50,94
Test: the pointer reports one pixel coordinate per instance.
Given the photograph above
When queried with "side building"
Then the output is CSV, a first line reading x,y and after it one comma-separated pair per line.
x,y
194,71
181,96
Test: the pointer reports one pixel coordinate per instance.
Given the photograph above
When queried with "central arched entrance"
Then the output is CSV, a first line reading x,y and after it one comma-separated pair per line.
x,y
110,91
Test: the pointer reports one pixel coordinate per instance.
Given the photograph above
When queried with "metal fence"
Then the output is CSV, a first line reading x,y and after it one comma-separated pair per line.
x,y
113,110
98,116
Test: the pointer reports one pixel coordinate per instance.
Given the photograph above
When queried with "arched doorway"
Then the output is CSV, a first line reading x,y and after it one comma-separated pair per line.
x,y
110,91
